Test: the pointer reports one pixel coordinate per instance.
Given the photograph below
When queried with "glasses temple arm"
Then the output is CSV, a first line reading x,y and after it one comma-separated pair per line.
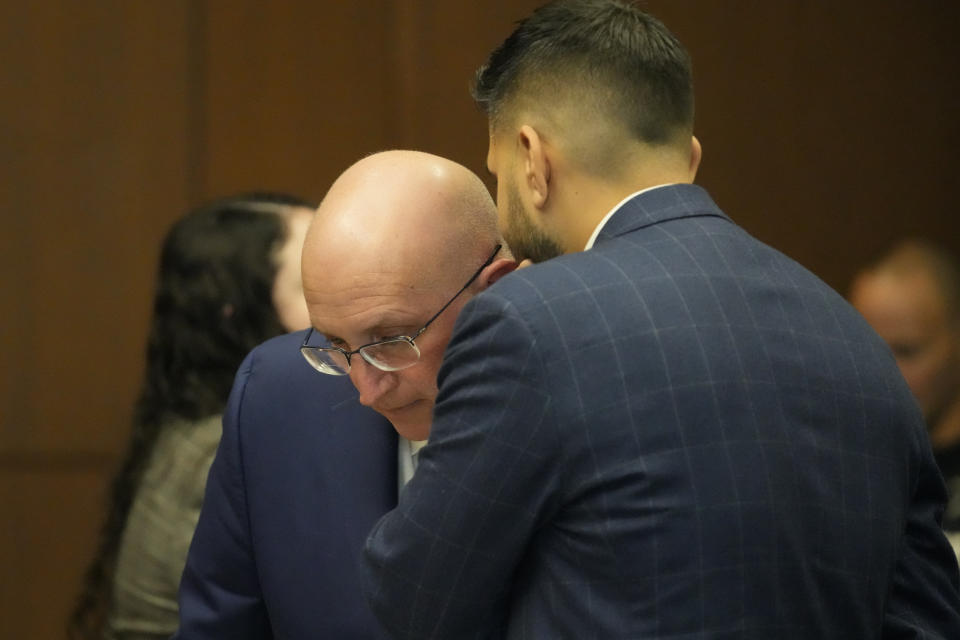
x,y
493,255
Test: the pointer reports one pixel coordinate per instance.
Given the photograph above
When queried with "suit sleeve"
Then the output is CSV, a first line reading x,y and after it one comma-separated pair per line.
x,y
924,600
219,592
441,564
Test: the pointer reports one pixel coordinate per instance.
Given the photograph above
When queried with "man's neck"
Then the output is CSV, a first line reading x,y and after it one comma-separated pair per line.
x,y
592,202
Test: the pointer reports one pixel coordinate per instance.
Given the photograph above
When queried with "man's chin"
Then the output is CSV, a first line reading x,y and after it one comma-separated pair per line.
x,y
413,421
412,431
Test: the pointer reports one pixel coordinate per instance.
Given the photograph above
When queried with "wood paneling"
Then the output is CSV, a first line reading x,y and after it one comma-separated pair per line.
x,y
828,131
294,92
95,150
47,536
94,119
442,44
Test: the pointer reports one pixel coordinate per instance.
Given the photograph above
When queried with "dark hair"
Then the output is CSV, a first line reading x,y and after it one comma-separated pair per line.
x,y
611,54
213,304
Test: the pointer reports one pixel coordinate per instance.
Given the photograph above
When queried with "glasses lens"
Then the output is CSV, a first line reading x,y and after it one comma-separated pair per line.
x,y
391,355
326,361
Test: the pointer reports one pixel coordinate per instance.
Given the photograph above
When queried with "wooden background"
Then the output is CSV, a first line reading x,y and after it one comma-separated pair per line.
x,y
829,130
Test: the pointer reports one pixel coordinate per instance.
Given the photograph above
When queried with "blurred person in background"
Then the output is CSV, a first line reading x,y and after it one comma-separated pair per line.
x,y
229,278
911,297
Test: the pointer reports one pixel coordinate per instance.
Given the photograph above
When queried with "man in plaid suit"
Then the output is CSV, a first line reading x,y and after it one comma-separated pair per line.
x,y
671,430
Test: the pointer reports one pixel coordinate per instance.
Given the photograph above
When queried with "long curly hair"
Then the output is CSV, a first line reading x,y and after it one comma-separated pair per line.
x,y
213,304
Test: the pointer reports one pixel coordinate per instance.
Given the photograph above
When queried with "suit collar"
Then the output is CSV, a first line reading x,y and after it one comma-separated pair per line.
x,y
659,205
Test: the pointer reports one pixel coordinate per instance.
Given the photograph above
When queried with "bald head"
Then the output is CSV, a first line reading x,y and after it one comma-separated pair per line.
x,y
402,210
395,238
915,261
910,299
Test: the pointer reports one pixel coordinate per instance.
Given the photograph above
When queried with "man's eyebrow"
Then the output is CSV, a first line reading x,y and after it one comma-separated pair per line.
x,y
389,326
391,329
329,338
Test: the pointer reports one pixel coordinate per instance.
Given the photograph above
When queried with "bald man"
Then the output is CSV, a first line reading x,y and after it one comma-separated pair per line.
x,y
665,428
307,464
400,243
911,297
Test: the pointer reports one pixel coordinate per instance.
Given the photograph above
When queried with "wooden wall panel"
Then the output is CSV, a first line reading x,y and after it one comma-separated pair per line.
x,y
828,129
443,45
828,132
95,151
46,540
294,92
94,125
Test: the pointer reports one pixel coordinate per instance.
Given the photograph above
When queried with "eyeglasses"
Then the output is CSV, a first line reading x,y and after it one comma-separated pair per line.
x,y
392,354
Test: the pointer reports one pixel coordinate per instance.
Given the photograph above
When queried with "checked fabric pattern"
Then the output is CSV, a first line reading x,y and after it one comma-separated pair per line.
x,y
680,433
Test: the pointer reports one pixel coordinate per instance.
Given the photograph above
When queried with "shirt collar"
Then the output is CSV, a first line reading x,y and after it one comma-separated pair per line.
x,y
606,218
407,452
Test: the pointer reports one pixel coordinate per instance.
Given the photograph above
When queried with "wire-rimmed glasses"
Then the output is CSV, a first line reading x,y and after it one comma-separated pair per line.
x,y
390,354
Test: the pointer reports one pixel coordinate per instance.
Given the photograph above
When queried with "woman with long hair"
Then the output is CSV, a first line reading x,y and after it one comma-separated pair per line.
x,y
229,278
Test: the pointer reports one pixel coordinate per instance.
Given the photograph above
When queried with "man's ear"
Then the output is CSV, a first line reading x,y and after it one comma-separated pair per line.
x,y
536,166
696,153
496,270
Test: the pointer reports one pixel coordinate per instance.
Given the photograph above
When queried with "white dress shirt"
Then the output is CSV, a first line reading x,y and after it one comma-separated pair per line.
x,y
407,452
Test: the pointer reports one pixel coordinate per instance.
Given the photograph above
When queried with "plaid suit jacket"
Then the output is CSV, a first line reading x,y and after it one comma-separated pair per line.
x,y
680,433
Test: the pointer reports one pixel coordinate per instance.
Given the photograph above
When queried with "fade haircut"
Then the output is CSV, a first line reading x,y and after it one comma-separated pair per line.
x,y
602,55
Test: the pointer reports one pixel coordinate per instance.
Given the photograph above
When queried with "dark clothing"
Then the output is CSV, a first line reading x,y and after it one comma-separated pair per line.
x,y
680,433
949,463
302,473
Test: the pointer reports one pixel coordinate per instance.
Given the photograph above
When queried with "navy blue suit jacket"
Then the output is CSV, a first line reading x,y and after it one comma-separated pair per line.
x,y
302,473
680,433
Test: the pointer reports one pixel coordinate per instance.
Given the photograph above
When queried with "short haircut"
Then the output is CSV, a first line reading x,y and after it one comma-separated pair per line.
x,y
605,55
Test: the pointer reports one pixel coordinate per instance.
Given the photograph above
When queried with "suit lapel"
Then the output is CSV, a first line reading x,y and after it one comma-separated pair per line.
x,y
363,466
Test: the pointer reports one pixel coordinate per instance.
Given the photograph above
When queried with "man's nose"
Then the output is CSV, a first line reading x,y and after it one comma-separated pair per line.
x,y
372,383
